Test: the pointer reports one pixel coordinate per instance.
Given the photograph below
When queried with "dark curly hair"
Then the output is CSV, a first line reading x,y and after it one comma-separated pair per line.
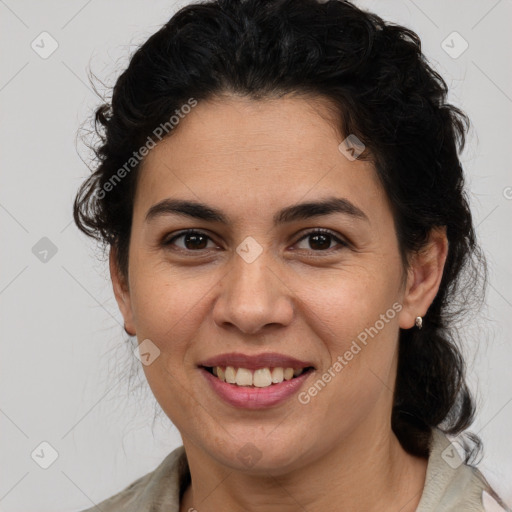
x,y
384,92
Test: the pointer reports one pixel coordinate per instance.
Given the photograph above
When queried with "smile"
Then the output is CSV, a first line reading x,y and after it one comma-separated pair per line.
x,y
251,396
260,377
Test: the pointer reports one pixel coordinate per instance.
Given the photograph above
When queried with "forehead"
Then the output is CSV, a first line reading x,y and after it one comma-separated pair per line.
x,y
231,149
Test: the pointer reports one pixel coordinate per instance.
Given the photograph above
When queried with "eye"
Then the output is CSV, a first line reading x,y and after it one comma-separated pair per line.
x,y
320,240
192,240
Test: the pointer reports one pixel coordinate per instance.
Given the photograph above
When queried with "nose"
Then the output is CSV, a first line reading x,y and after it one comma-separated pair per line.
x,y
253,296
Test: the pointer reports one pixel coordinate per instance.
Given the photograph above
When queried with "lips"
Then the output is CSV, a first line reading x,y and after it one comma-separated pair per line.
x,y
254,397
254,362
250,386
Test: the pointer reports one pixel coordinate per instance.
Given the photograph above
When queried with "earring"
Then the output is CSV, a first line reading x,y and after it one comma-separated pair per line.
x,y
419,322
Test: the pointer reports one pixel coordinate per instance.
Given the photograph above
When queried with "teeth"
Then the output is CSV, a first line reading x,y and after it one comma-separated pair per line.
x,y
260,378
277,375
244,377
230,375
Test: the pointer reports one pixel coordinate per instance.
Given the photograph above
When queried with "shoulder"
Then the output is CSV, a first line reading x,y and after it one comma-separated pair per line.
x,y
161,486
451,485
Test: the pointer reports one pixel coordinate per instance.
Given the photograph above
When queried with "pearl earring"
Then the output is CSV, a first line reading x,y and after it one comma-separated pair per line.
x,y
419,322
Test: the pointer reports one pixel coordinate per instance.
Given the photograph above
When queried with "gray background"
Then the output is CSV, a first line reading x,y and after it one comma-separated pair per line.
x,y
64,369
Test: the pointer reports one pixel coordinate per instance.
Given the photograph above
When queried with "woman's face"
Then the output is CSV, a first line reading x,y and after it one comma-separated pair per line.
x,y
260,279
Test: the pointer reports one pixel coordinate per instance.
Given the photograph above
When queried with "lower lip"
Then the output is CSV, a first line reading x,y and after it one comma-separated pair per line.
x,y
253,397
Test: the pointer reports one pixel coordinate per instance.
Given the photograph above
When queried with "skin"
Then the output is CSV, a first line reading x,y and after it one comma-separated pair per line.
x,y
250,159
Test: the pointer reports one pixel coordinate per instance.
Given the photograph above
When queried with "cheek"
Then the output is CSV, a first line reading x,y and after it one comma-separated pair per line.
x,y
347,301
357,325
169,310
166,301
355,317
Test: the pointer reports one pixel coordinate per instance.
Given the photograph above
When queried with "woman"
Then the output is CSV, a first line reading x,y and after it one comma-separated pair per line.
x,y
290,242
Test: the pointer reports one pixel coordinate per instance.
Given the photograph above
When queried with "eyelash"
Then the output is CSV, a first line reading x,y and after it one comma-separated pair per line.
x,y
316,231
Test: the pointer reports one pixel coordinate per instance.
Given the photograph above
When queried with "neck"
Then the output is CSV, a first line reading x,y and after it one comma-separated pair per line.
x,y
368,470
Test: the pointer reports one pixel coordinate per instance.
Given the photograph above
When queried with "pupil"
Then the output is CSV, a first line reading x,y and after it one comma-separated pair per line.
x,y
321,239
194,238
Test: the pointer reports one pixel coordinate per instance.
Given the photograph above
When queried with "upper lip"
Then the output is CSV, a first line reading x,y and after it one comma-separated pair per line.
x,y
253,362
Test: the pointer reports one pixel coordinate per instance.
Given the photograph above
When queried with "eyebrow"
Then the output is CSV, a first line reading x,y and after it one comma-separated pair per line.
x,y
301,211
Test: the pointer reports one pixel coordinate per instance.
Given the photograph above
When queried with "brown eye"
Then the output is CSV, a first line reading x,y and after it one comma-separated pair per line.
x,y
192,240
320,240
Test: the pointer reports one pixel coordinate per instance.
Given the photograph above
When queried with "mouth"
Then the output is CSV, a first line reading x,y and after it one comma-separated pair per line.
x,y
255,381
256,377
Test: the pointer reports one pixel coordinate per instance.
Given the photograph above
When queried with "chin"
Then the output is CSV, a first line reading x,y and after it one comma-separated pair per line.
x,y
255,454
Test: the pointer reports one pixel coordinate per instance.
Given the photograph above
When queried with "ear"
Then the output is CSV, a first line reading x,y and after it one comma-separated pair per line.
x,y
121,292
424,278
